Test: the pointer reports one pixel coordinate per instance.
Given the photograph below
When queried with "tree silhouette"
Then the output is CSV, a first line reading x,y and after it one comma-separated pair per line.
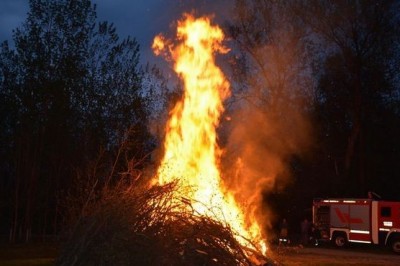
x,y
69,87
357,76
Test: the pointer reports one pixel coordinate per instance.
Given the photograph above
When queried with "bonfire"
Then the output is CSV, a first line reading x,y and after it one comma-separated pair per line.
x,y
191,151
187,216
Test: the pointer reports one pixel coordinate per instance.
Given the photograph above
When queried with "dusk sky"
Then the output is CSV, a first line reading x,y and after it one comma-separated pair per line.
x,y
142,19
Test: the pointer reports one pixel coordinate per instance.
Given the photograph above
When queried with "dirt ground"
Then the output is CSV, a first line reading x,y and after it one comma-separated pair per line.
x,y
320,256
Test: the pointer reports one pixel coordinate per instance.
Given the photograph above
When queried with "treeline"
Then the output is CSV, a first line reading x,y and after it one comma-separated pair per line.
x,y
70,91
76,106
336,65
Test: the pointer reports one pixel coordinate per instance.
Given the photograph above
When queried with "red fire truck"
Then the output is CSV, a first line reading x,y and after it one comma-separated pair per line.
x,y
358,220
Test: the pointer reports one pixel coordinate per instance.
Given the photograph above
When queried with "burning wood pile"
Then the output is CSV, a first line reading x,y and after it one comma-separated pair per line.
x,y
186,216
138,226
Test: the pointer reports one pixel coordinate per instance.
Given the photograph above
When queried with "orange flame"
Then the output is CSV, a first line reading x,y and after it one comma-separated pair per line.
x,y
191,151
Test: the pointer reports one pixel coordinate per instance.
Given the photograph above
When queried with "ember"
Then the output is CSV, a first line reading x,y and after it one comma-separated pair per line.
x,y
191,152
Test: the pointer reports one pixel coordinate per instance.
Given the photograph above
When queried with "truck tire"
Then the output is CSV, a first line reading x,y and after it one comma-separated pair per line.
x,y
395,245
339,240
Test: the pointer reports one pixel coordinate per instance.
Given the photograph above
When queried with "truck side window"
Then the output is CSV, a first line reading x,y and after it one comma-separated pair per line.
x,y
386,212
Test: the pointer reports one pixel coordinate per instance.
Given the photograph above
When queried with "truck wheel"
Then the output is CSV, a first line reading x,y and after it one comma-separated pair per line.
x,y
339,240
396,245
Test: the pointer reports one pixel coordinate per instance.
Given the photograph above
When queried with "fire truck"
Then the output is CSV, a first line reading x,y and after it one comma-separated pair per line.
x,y
358,220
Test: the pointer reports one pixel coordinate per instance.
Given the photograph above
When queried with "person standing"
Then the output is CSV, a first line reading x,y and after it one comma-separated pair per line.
x,y
305,229
315,235
283,232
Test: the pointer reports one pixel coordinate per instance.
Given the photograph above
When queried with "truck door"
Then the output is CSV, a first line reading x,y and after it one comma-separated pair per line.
x,y
360,225
353,217
322,220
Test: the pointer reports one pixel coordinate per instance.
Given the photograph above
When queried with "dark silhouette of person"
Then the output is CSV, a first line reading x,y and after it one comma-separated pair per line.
x,y
315,235
305,230
283,232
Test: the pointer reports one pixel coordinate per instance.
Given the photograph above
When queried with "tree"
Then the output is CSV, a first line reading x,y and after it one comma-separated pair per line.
x,y
69,87
360,66
335,62
270,57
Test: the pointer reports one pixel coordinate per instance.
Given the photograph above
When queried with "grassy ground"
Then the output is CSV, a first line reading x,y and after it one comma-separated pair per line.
x,y
38,254
328,256
44,254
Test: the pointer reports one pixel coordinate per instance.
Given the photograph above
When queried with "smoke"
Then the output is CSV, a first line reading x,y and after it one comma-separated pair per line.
x,y
258,152
268,124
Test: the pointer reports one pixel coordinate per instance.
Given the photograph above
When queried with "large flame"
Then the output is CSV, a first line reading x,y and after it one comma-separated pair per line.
x,y
191,152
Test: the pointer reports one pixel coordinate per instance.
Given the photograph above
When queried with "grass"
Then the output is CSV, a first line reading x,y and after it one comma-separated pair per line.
x,y
38,254
27,262
45,254
328,256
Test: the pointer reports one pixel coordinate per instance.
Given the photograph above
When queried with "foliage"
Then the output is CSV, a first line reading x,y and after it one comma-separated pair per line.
x,y
69,88
271,62
357,75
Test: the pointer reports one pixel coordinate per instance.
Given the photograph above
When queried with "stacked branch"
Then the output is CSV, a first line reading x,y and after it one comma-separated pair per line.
x,y
132,225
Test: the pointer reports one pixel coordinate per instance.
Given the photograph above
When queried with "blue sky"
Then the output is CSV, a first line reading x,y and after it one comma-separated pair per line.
x,y
142,19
